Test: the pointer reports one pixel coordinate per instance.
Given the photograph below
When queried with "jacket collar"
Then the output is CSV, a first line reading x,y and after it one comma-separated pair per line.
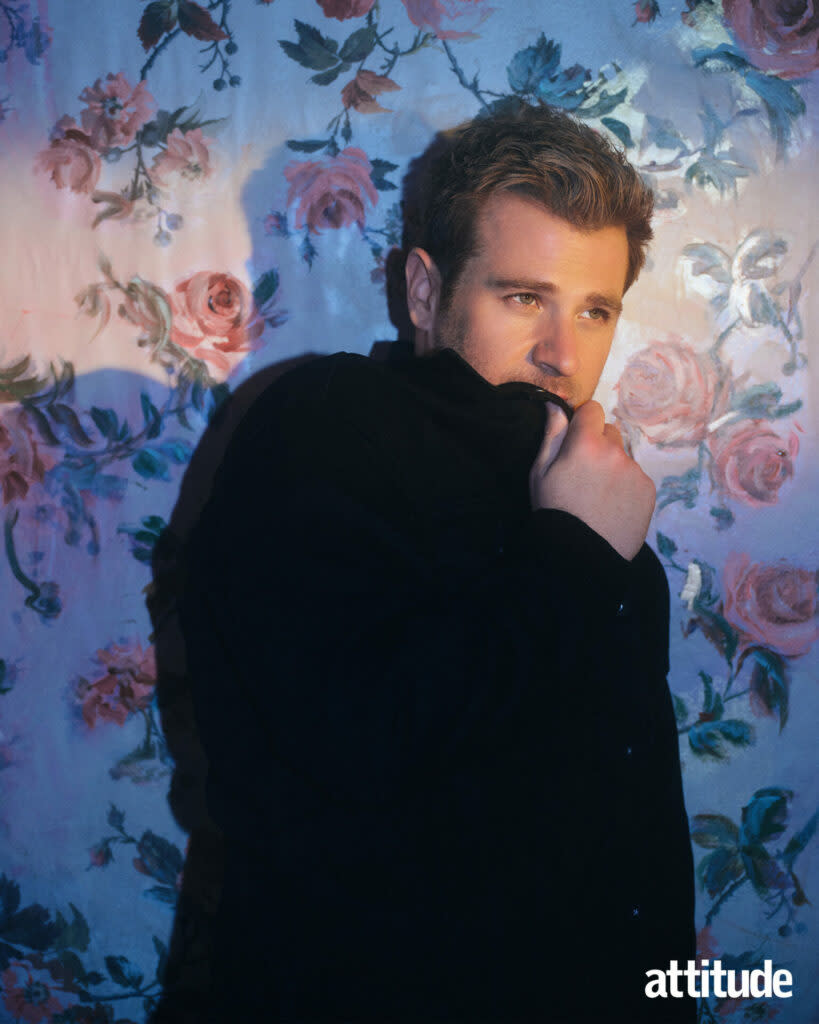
x,y
448,372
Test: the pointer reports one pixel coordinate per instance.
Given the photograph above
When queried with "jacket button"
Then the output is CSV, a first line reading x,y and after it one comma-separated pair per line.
x,y
622,609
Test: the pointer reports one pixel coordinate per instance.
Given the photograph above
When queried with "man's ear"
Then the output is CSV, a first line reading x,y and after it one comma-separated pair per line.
x,y
423,297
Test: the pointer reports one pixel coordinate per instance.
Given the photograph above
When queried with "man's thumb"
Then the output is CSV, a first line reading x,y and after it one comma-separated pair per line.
x,y
557,423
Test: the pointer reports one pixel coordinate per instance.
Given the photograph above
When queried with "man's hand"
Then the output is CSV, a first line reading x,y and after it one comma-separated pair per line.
x,y
590,475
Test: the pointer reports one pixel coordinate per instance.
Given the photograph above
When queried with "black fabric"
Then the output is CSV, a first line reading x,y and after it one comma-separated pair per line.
x,y
441,743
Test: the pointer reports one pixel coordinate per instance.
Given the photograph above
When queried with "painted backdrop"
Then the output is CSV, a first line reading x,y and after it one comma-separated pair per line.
x,y
192,192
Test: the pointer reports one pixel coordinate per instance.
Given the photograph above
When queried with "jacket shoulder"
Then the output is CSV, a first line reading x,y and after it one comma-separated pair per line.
x,y
343,384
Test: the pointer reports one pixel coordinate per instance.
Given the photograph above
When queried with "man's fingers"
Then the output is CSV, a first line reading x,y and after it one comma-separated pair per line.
x,y
588,417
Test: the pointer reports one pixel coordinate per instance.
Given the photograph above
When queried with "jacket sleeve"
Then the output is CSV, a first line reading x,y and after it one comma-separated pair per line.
x,y
314,602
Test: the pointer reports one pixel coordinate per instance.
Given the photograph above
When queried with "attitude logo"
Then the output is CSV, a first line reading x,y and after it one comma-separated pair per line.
x,y
702,980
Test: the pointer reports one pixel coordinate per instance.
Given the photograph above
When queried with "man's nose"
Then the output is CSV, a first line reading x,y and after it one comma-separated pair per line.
x,y
556,351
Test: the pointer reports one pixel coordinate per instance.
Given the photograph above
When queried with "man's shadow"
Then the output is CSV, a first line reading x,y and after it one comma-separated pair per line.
x,y
186,983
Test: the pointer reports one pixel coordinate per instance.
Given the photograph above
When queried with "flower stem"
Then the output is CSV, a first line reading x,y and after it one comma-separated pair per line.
x,y
149,63
11,555
462,79
729,892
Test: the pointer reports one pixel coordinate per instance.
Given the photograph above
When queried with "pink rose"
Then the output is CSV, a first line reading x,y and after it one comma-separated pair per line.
x,y
777,36
214,318
126,686
115,111
187,154
21,464
31,994
772,604
344,9
331,191
751,462
360,92
71,162
432,15
100,855
669,392
645,11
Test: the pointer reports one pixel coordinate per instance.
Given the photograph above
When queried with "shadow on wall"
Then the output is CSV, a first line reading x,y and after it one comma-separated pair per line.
x,y
186,981
185,996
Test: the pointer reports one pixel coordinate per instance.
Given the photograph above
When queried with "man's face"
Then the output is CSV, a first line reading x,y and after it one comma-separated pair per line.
x,y
538,301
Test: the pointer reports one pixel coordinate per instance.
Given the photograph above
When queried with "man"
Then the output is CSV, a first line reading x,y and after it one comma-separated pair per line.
x,y
429,644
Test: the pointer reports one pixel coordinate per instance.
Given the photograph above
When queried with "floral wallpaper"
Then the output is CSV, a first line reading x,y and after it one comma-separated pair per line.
x,y
195,192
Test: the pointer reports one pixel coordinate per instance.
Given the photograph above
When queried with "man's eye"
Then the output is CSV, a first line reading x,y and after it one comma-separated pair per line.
x,y
525,299
596,313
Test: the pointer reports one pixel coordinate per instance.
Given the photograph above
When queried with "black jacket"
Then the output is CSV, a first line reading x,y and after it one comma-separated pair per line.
x,y
441,743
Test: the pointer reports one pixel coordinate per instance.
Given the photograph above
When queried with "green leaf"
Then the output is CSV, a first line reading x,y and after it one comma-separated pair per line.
x,y
763,871
74,935
120,973
714,832
720,869
787,410
307,250
680,709
783,104
359,45
72,963
306,145
604,102
380,168
723,54
153,419
162,958
708,687
328,77
665,545
41,423
162,894
9,899
620,129
217,396
662,133
708,739
116,817
150,465
765,817
798,842
177,451
144,537
8,373
30,926
710,260
66,417
313,50
724,516
105,421
265,288
717,630
720,174
770,685
683,488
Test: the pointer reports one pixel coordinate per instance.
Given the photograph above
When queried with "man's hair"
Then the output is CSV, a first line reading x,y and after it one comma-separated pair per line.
x,y
537,152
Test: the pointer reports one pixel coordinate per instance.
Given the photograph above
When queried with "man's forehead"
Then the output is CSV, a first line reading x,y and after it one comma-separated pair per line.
x,y
531,231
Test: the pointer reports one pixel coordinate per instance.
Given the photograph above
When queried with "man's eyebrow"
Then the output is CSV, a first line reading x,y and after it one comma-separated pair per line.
x,y
528,284
609,301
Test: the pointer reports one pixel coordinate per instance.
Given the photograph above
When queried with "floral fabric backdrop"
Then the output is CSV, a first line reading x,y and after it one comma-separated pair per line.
x,y
192,192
